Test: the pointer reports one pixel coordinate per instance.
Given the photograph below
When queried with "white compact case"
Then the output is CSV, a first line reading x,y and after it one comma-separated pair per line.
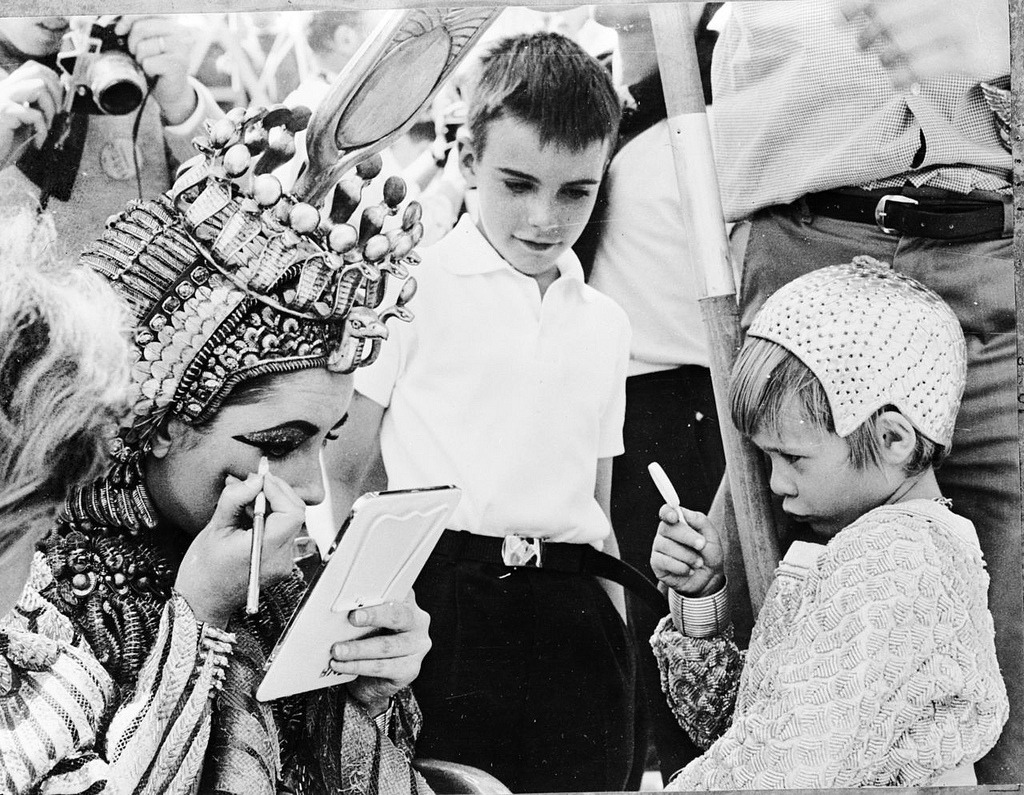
x,y
376,558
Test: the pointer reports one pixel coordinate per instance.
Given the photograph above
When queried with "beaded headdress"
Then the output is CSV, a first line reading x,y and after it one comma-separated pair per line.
x,y
230,277
873,338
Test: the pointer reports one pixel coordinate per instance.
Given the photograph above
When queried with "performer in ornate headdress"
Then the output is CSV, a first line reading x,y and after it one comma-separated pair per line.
x,y
250,309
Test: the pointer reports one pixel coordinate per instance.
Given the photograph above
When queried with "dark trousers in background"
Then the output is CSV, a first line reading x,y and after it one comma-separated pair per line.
x,y
981,475
670,418
531,677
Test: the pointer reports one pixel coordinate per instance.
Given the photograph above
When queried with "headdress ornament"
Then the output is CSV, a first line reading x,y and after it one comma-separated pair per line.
x,y
231,276
873,338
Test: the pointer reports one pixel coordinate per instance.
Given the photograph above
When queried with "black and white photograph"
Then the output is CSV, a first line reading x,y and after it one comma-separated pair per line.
x,y
400,399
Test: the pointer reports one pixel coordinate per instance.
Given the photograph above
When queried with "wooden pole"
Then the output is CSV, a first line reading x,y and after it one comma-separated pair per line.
x,y
711,273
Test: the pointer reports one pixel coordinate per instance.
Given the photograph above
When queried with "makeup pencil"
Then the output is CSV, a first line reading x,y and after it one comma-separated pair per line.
x,y
252,602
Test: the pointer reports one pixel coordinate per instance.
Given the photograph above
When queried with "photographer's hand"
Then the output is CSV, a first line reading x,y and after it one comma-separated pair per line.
x,y
162,46
29,99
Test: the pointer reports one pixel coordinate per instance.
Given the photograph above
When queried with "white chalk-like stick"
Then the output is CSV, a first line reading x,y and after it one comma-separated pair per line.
x,y
668,493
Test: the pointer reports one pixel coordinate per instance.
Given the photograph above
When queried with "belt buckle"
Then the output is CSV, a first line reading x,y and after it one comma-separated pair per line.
x,y
880,210
522,552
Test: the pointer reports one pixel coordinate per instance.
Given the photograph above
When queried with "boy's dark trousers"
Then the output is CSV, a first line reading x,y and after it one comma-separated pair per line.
x,y
671,418
531,677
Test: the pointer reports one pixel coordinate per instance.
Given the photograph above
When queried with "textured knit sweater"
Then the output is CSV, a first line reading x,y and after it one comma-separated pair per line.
x,y
872,666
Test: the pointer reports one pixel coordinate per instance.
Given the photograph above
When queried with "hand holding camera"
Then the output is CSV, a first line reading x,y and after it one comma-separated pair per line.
x,y
120,59
29,98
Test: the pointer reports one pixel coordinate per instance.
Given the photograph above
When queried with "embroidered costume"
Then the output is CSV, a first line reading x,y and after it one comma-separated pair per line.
x,y
53,694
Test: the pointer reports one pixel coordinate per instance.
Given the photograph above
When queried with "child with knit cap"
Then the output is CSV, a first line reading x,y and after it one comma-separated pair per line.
x,y
872,662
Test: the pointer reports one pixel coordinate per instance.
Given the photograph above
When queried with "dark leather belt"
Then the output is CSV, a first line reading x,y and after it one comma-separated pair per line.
x,y
951,217
519,552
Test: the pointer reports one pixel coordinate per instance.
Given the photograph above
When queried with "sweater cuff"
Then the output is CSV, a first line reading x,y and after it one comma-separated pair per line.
x,y
702,616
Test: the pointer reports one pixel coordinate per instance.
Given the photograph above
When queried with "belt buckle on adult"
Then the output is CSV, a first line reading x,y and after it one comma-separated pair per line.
x,y
522,552
880,210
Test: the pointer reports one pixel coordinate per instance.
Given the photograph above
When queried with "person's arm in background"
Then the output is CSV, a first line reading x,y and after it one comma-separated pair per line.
x,y
163,47
30,97
922,39
603,495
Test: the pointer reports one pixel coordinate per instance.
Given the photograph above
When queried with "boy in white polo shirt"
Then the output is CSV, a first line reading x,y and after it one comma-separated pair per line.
x,y
510,382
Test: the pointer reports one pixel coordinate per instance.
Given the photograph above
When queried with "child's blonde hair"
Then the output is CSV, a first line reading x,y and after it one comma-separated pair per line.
x,y
768,381
63,373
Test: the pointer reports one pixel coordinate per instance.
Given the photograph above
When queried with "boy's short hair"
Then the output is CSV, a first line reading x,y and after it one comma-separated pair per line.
x,y
768,380
549,82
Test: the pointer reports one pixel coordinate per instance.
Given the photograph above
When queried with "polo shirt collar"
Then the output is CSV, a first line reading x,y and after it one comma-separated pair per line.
x,y
474,255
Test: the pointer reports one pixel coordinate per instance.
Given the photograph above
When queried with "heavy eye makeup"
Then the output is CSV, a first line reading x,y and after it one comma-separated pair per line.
x,y
279,441
333,434
282,440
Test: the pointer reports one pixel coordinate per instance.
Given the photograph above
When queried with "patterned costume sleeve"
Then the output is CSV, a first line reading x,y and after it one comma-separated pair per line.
x,y
700,677
158,737
884,673
53,696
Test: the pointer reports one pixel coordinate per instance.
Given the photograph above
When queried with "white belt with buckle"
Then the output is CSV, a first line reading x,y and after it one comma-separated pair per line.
x,y
520,551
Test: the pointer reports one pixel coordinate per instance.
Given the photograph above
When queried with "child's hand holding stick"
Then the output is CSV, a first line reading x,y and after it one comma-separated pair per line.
x,y
687,552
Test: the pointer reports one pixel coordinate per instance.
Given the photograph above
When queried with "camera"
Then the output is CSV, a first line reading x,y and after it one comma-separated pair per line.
x,y
104,76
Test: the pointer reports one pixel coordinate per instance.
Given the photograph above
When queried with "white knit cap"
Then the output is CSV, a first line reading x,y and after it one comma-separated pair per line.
x,y
873,338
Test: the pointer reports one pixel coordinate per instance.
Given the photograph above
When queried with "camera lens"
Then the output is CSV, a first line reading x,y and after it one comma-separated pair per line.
x,y
117,83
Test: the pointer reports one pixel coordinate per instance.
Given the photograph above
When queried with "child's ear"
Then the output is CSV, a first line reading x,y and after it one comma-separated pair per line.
x,y
897,437
467,156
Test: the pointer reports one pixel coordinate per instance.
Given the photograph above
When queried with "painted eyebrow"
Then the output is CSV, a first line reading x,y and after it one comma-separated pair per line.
x,y
339,423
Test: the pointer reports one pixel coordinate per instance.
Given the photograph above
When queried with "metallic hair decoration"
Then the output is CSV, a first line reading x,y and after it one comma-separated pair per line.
x,y
230,277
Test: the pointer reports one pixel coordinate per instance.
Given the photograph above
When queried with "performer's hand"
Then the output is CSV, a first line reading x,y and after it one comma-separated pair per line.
x,y
163,47
29,99
687,553
214,574
387,661
922,39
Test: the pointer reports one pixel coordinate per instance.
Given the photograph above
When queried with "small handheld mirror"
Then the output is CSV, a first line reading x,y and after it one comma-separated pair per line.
x,y
382,89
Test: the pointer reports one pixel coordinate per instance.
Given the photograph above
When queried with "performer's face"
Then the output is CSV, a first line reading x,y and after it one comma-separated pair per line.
x,y
34,36
288,421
